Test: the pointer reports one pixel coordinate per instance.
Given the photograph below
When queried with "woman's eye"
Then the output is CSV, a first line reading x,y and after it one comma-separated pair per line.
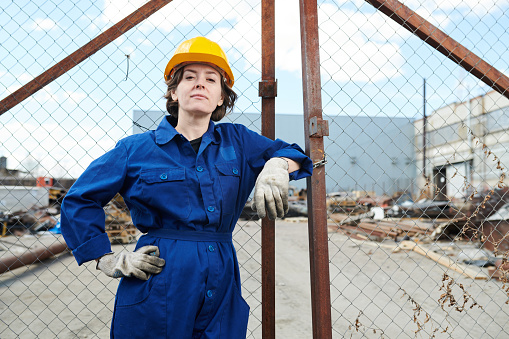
x,y
212,80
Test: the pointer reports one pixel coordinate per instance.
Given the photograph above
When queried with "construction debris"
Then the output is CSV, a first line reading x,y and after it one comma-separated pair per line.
x,y
475,233
444,260
380,230
119,225
500,271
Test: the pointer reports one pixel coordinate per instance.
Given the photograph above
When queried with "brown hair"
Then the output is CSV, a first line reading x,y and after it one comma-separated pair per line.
x,y
229,97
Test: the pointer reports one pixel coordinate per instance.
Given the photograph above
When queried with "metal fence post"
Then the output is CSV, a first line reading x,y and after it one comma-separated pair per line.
x,y
315,128
268,92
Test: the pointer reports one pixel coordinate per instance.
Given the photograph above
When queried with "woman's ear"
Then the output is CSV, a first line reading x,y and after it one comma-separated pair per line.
x,y
174,96
220,102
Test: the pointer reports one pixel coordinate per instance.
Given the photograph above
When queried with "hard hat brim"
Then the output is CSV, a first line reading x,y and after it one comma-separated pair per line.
x,y
189,58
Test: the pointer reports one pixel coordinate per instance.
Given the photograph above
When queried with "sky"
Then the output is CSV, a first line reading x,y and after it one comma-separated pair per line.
x,y
370,66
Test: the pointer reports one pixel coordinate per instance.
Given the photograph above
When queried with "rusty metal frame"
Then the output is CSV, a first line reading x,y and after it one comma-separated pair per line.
x,y
444,44
268,92
315,128
82,54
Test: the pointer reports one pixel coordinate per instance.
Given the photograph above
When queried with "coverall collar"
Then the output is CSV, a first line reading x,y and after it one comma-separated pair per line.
x,y
166,131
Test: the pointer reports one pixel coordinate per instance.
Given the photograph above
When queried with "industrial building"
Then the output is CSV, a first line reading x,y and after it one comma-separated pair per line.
x,y
465,147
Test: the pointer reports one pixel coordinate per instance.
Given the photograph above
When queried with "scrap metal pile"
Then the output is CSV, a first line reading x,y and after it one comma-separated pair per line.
x,y
478,229
37,219
32,235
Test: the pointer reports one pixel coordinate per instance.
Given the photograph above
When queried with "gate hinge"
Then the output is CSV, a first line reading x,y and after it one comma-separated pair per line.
x,y
318,127
267,88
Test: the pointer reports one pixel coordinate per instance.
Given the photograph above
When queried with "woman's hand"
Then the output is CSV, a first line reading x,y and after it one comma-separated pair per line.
x,y
271,189
140,264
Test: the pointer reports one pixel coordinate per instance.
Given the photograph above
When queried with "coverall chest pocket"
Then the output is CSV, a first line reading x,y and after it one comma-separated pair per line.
x,y
166,189
229,180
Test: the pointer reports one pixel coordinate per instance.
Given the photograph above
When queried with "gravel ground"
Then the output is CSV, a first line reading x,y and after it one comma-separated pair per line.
x,y
375,293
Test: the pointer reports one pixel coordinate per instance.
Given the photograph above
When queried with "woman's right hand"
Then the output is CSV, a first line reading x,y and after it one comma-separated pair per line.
x,y
140,264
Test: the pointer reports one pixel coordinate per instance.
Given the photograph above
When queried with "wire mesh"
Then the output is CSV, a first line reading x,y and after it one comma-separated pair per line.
x,y
405,219
416,162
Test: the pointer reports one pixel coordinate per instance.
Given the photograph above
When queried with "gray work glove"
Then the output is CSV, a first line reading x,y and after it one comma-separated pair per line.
x,y
140,264
271,189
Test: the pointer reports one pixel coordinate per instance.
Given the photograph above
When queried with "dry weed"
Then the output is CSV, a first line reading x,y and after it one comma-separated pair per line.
x,y
359,327
448,295
419,314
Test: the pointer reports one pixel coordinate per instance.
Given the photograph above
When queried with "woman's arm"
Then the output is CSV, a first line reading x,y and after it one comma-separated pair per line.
x,y
82,213
292,165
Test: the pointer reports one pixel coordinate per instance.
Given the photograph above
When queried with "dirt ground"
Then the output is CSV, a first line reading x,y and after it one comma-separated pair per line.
x,y
375,293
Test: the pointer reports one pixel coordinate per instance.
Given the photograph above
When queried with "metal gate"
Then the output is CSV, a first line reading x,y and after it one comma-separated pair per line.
x,y
403,108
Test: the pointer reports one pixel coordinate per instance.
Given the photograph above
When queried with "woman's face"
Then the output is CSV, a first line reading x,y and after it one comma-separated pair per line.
x,y
199,91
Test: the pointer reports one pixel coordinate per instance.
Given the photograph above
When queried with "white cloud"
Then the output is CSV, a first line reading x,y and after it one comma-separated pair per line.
x,y
43,24
146,42
361,47
76,97
115,11
357,60
355,44
53,146
467,7
288,51
48,94
242,41
179,12
25,77
358,46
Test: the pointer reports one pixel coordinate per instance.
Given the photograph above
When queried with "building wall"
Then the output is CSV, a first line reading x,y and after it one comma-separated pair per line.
x,y
467,138
363,153
22,198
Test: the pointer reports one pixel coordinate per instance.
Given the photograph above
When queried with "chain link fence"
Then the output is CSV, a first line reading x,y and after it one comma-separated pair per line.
x,y
416,159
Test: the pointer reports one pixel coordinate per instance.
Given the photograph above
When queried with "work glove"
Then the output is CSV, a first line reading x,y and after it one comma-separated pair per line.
x,y
271,189
140,264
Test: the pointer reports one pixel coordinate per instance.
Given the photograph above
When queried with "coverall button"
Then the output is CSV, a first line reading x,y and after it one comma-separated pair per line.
x,y
164,176
211,248
211,209
209,293
235,171
199,169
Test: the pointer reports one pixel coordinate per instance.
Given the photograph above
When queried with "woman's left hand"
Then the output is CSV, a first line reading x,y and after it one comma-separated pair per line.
x,y
271,189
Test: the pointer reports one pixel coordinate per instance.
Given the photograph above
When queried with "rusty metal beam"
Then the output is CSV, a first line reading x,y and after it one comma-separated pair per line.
x,y
268,92
82,53
315,128
444,44
32,256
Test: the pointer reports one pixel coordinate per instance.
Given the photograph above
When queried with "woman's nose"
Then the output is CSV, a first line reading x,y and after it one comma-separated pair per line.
x,y
200,82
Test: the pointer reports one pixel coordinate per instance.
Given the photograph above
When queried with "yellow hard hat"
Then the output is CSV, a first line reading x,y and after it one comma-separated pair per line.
x,y
199,49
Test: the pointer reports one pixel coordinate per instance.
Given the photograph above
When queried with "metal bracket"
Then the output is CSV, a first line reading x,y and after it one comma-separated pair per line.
x,y
267,88
318,127
320,163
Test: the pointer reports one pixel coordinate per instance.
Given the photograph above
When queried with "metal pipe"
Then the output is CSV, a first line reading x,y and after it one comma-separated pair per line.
x,y
268,92
32,256
444,44
81,54
315,128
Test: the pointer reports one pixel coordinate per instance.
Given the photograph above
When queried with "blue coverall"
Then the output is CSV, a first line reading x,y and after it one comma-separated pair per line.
x,y
187,203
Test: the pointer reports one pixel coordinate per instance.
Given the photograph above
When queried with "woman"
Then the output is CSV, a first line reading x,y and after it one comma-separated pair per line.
x,y
185,184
